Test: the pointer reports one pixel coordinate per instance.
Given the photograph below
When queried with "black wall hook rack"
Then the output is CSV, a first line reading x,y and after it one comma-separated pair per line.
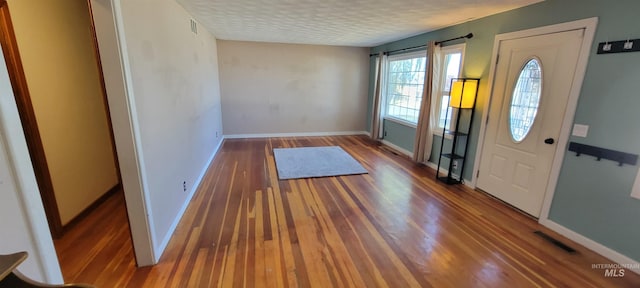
x,y
631,45
602,153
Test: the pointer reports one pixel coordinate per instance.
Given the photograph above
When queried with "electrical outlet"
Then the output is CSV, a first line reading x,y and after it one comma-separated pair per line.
x,y
184,186
455,165
216,134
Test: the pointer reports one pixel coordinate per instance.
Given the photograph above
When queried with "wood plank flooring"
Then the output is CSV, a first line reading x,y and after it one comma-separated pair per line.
x,y
393,227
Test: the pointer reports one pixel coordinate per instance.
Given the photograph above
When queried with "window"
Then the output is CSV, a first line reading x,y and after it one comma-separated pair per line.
x,y
525,100
405,81
451,61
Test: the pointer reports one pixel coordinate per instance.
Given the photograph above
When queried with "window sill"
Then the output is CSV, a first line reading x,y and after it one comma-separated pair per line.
x,y
437,132
400,121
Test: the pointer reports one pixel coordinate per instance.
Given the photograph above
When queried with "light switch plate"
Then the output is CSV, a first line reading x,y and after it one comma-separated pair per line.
x,y
635,190
580,130
635,193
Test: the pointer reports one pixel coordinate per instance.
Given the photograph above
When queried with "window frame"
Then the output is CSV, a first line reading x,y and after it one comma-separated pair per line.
x,y
444,51
398,57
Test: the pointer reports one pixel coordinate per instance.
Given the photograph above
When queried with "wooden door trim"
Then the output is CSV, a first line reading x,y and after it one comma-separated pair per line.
x,y
28,119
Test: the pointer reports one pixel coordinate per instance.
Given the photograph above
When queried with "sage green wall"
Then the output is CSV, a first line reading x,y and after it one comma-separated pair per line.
x,y
592,197
395,132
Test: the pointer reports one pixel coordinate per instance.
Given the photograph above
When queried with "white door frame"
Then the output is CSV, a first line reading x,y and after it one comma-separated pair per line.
x,y
109,24
589,26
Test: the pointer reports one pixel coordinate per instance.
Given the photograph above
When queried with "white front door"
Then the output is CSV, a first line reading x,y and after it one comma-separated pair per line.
x,y
532,84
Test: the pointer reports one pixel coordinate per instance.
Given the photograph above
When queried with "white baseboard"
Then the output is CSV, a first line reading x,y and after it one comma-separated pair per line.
x,y
428,164
397,148
607,252
300,134
187,201
434,166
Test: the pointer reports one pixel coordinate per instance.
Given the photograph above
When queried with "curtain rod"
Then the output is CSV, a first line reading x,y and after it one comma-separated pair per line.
x,y
398,50
468,36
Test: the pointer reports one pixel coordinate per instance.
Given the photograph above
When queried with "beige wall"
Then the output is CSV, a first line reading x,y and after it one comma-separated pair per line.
x,y
174,100
287,88
54,39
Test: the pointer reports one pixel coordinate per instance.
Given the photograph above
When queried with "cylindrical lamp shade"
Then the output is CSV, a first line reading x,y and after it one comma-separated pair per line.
x,y
468,93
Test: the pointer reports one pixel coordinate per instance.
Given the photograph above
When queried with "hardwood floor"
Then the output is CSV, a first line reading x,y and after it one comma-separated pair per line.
x,y
393,227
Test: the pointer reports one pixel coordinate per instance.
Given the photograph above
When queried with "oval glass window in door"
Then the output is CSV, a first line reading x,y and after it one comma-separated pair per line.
x,y
525,100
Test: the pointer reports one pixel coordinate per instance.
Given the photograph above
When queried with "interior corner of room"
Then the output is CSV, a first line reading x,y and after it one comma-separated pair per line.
x,y
157,102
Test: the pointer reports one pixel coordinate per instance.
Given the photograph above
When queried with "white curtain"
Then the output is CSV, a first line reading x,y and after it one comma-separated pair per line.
x,y
376,120
426,118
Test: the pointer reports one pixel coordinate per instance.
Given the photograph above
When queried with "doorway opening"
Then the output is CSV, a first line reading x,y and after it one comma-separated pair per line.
x,y
56,75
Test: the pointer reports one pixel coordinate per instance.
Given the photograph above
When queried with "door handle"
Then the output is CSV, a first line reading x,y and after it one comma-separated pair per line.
x,y
549,141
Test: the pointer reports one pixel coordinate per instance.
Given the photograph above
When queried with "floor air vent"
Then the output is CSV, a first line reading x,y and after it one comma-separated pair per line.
x,y
555,242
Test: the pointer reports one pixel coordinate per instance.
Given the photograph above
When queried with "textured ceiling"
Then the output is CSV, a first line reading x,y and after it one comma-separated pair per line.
x,y
362,23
